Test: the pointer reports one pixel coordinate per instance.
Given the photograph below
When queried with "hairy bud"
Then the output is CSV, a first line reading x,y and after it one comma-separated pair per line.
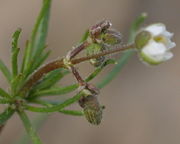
x,y
102,38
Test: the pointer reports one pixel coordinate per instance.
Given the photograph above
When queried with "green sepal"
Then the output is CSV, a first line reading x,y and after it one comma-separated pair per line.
x,y
142,39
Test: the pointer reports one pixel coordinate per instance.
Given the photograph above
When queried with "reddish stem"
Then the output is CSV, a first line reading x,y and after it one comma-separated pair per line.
x,y
60,64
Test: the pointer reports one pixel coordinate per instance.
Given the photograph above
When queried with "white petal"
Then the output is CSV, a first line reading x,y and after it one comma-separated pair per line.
x,y
155,51
154,48
156,29
167,34
171,44
168,55
166,41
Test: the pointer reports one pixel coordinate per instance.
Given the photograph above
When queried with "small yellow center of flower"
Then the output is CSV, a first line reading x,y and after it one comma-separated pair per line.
x,y
160,39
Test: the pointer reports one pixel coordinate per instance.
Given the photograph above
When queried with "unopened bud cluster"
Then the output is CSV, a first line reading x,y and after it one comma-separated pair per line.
x,y
102,38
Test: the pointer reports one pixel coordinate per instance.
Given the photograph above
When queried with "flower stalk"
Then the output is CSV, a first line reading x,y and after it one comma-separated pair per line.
x,y
60,64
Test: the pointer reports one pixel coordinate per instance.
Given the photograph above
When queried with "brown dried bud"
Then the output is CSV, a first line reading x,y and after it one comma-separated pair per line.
x,y
99,28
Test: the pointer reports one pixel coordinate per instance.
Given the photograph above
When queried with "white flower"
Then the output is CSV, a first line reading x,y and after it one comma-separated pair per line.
x,y
154,44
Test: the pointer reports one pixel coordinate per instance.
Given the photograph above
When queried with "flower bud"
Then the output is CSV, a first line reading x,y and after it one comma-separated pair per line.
x,y
112,37
91,107
95,48
154,44
102,40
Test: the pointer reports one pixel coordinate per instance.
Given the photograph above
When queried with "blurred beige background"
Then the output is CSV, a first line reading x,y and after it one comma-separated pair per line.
x,y
142,103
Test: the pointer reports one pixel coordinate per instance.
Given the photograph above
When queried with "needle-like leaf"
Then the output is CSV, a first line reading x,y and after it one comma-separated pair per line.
x,y
3,93
36,43
5,71
6,115
28,126
15,52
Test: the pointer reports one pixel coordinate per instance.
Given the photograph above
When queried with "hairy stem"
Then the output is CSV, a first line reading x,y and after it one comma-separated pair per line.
x,y
116,50
60,64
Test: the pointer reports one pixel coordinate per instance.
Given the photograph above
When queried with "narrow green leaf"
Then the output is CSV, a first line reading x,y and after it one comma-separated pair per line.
x,y
45,102
28,126
126,55
50,79
40,60
56,108
15,52
4,101
14,62
5,71
48,103
6,115
37,123
15,39
72,112
99,69
37,41
25,56
56,91
3,93
41,34
16,83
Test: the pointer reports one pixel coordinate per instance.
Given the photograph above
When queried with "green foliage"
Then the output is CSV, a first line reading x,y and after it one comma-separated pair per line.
x,y
54,108
3,93
48,81
36,45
